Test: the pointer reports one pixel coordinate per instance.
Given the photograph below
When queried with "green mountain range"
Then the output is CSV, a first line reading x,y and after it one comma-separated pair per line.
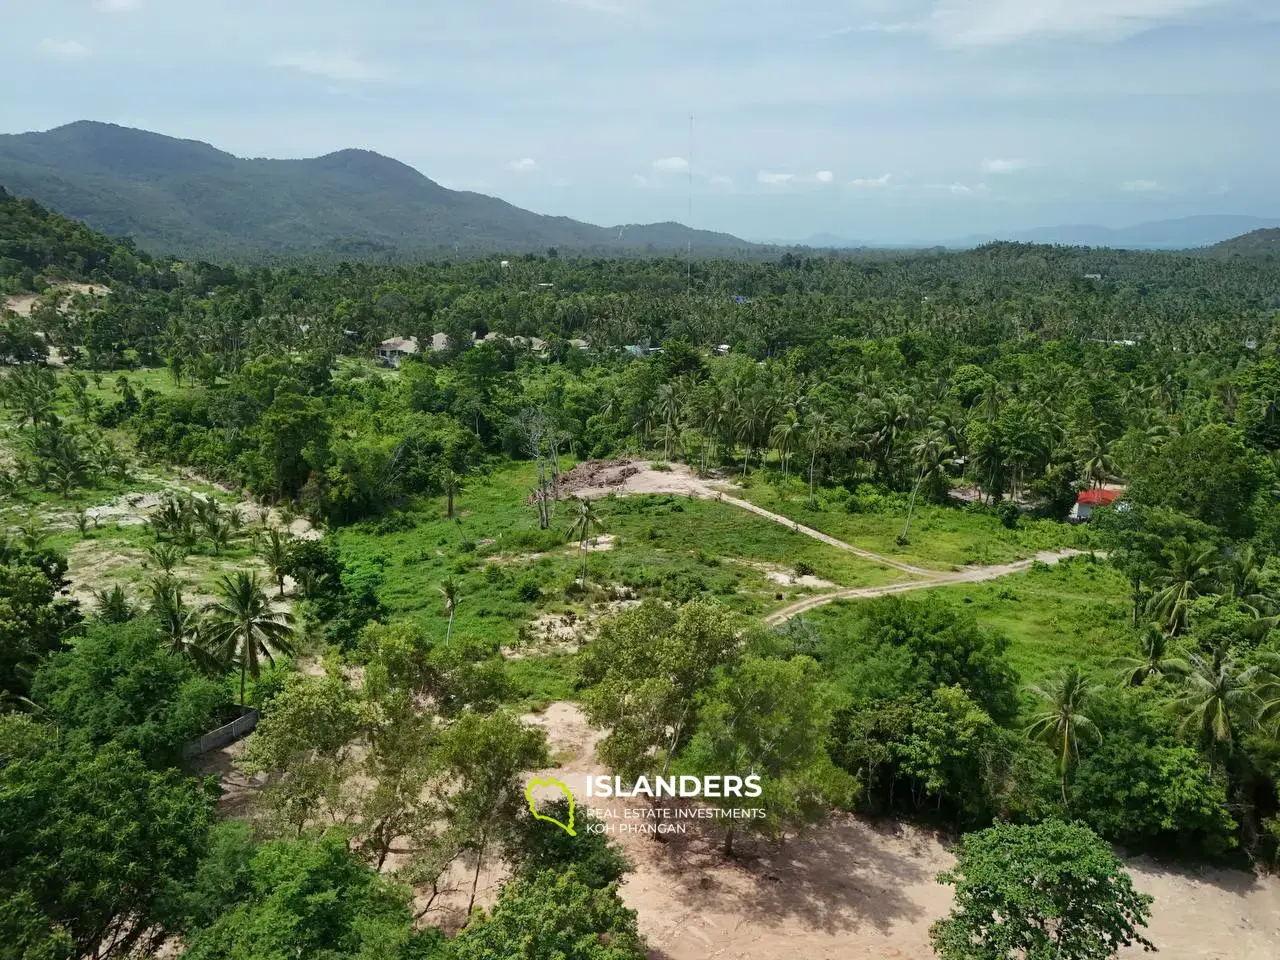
x,y
1258,243
189,199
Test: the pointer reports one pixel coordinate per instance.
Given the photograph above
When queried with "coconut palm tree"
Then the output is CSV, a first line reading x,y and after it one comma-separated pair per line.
x,y
275,551
449,592
1220,698
451,484
166,556
585,523
929,452
1064,721
817,434
114,605
1191,574
243,627
1153,660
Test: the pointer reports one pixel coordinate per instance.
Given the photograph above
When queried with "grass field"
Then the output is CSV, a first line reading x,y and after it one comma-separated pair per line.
x,y
1076,612
509,572
941,537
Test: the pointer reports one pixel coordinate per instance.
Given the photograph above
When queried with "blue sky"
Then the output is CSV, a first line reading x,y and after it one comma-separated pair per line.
x,y
876,120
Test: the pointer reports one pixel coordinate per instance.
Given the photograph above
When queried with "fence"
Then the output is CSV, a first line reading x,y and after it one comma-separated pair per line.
x,y
227,733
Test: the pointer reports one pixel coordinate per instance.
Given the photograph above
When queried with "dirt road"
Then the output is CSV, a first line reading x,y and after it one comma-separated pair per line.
x,y
629,478
970,575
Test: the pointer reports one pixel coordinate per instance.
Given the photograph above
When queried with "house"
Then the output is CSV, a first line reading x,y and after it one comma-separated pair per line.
x,y
1093,276
722,349
439,341
392,352
1091,500
579,344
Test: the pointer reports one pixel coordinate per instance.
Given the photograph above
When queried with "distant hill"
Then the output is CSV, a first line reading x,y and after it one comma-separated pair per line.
x,y
187,198
37,246
1180,234
1258,243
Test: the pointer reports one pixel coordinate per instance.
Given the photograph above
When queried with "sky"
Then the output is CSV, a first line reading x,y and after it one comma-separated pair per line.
x,y
885,121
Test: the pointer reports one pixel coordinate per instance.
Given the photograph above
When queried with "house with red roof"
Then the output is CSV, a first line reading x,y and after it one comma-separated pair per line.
x,y
1090,500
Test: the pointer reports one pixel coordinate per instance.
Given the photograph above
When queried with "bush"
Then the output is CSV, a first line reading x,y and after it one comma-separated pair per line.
x,y
529,589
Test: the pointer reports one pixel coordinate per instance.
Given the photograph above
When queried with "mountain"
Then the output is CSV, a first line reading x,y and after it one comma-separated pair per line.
x,y
186,198
1180,234
1258,243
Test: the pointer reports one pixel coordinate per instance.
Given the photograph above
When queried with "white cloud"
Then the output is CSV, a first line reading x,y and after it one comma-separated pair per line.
x,y
336,66
68,49
871,183
720,180
1141,186
1003,166
598,6
825,176
671,165
118,6
965,23
958,189
638,181
774,179
527,165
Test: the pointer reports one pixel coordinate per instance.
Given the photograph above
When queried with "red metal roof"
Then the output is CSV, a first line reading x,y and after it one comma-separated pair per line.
x,y
1097,498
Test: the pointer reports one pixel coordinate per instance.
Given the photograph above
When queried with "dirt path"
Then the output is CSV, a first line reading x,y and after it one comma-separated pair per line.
x,y
628,478
971,575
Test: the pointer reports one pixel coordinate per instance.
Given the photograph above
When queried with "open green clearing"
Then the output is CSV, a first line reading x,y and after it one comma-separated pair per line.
x,y
1076,612
941,538
509,572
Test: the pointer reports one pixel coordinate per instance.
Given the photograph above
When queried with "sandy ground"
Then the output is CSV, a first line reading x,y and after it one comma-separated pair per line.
x,y
23,303
851,889
855,888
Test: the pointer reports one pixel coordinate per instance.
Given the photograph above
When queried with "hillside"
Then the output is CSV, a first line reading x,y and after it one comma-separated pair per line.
x,y
1258,243
187,198
36,243
1181,233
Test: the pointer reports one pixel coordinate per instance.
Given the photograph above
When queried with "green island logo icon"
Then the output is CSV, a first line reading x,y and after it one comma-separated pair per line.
x,y
533,804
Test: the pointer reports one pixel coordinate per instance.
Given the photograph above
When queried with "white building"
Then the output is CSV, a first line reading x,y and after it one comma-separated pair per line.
x,y
392,352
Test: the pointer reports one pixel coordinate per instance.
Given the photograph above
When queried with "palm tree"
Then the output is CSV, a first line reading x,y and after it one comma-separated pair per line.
x,y
929,452
1153,660
784,437
114,605
449,590
1064,722
1098,465
451,483
1241,576
585,523
1220,697
166,556
1268,688
275,551
243,627
817,436
1191,574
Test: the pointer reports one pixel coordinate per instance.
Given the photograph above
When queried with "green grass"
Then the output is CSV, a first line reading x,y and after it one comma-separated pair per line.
x,y
668,546
1076,612
941,537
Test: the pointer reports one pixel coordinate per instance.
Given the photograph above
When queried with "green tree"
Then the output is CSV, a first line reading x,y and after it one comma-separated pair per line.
x,y
585,523
1064,721
275,552
35,620
1154,660
1192,573
449,593
312,899
243,627
91,841
1052,891
553,915
482,759
644,672
770,718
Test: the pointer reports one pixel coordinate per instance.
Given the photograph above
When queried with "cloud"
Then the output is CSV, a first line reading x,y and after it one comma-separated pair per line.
x,y
774,179
974,23
1002,166
825,176
1141,186
865,183
67,49
958,189
118,6
527,165
336,66
639,181
671,165
720,180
